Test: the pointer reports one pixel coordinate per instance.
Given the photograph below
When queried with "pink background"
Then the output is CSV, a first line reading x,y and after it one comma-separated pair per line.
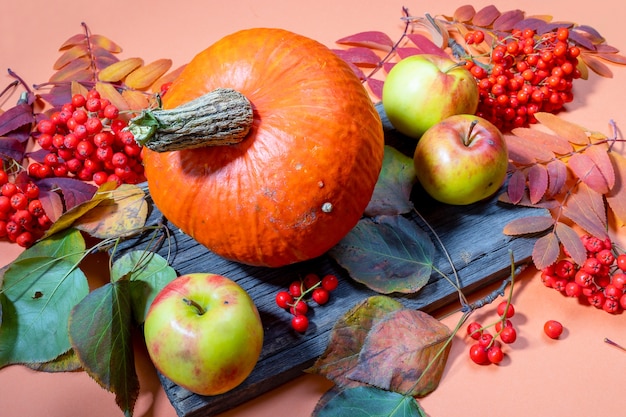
x,y
578,375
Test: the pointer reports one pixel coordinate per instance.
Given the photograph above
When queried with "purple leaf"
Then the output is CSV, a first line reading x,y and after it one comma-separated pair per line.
x,y
15,117
371,39
358,55
426,45
12,148
74,191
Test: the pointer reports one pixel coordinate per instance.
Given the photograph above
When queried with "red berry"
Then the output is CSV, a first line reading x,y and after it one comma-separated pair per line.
x,y
506,308
612,292
310,280
25,239
553,329
478,354
619,280
611,306
111,111
300,323
485,339
499,326
621,261
592,266
508,335
474,330
320,295
283,299
8,189
295,288
300,307
495,354
605,256
78,100
19,201
572,289
330,282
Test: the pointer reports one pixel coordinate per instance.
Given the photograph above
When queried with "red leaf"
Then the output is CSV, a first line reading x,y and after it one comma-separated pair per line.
x,y
524,152
359,73
426,45
597,65
554,143
616,198
571,242
557,177
613,58
537,182
516,186
582,39
528,225
464,13
586,208
508,20
407,52
16,117
371,39
538,25
12,148
588,172
358,55
376,87
599,155
486,16
574,133
546,251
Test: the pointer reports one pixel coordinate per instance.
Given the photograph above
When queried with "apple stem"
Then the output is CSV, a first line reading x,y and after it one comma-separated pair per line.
x,y
456,65
467,140
195,305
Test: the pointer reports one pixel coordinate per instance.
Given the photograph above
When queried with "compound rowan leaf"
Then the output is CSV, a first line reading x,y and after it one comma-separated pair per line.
x,y
100,333
612,57
557,177
571,242
347,338
76,70
574,133
369,39
528,225
537,182
119,70
516,186
405,352
387,254
545,251
109,92
371,402
554,143
586,209
143,77
524,152
486,16
616,197
393,189
73,53
588,172
105,43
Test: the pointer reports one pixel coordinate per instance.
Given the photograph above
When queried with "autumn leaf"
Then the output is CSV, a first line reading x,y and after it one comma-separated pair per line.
x,y
358,55
528,225
516,186
464,13
616,198
426,46
486,16
370,39
144,76
524,152
388,254
553,143
588,172
574,133
571,242
347,338
586,208
545,251
405,352
537,182
393,189
557,177
119,70
507,20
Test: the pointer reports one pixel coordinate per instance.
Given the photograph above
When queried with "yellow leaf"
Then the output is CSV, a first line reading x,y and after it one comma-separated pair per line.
x,y
572,132
136,100
119,70
167,78
78,88
122,213
109,92
73,41
144,77
105,43
70,55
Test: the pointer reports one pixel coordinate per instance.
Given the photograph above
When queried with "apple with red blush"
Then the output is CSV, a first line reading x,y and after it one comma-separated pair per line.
x,y
203,332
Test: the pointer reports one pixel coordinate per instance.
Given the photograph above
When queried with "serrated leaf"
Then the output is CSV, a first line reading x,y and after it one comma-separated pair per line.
x,y
486,16
507,20
78,88
66,362
524,152
528,225
516,186
358,55
464,13
73,53
119,70
144,76
148,272
587,171
119,212
393,189
545,251
586,209
100,333
574,133
37,296
596,65
105,43
347,338
537,182
554,143
599,154
406,52
405,352
369,39
427,46
370,402
16,117
557,177
571,242
103,58
387,254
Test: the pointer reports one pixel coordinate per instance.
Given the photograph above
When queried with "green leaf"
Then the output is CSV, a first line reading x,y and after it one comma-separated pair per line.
x,y
67,362
393,188
68,244
388,254
347,338
370,402
148,273
405,352
37,296
100,333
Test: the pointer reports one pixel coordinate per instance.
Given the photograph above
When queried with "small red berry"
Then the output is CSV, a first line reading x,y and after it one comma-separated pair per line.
x,y
506,308
295,288
495,354
300,307
474,330
283,299
553,329
300,323
330,282
320,296
508,335
310,280
478,354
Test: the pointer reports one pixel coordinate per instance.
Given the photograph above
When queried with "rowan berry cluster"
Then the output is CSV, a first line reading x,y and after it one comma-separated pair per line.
x,y
86,140
487,348
297,298
600,281
526,73
23,219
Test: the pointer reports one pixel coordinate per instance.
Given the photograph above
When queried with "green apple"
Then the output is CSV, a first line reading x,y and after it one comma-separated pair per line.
x,y
461,160
422,90
204,332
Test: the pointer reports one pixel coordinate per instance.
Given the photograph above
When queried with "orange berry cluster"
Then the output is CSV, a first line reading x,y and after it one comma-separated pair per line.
x,y
526,73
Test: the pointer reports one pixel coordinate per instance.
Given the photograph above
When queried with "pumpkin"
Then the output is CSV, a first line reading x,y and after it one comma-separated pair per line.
x,y
300,166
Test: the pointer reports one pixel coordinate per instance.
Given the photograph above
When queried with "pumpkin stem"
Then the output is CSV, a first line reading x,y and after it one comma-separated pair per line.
x,y
220,117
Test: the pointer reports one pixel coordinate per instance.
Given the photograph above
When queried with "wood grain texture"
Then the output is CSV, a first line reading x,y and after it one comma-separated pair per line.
x,y
472,235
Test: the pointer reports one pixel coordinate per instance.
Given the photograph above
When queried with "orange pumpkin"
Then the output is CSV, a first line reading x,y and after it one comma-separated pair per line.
x,y
302,175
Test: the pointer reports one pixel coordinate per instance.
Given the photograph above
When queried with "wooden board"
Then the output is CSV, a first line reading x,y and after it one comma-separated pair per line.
x,y
471,234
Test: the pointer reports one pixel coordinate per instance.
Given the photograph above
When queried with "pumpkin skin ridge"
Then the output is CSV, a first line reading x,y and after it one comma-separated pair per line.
x,y
289,199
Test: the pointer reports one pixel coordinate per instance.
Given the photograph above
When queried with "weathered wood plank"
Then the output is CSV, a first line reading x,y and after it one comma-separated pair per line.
x,y
471,234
